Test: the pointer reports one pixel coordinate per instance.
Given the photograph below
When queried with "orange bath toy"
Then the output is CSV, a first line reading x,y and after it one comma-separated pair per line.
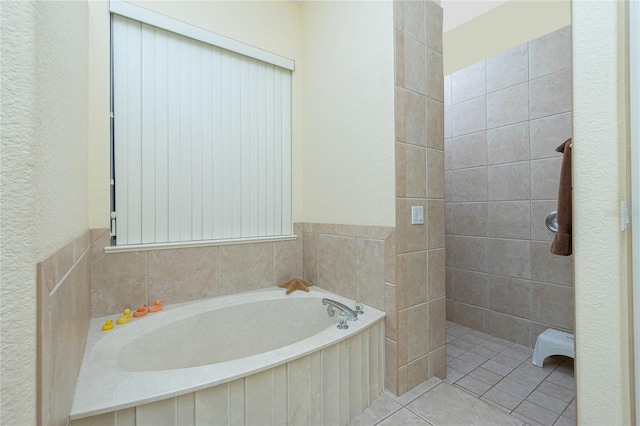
x,y
142,311
108,325
156,307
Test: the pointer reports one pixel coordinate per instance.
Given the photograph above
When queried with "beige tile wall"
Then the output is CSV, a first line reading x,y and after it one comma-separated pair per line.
x,y
414,297
130,279
504,119
64,311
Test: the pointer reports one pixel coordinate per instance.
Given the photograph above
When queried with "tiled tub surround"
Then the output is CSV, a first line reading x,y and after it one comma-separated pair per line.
x,y
130,279
504,118
415,294
326,378
63,294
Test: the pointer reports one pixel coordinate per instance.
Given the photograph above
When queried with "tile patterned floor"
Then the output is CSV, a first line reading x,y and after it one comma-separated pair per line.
x,y
500,373
490,381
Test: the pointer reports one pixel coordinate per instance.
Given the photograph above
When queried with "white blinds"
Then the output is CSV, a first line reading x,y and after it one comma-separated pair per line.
x,y
202,140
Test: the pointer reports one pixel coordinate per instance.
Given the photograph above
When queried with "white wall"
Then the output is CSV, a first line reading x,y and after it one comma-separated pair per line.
x,y
601,250
348,88
43,172
343,167
501,28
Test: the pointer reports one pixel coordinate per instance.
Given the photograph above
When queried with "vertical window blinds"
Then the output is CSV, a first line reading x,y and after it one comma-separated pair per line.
x,y
202,139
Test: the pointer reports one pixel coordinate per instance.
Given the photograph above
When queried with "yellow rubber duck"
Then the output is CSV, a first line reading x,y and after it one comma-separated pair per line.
x,y
108,325
125,318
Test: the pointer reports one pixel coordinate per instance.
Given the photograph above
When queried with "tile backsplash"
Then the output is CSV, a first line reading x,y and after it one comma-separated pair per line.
x,y
504,119
63,315
130,279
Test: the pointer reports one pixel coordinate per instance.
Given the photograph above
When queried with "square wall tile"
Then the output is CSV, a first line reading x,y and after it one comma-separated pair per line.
x,y
508,106
510,296
469,116
550,53
552,304
434,75
337,264
433,17
448,218
509,219
447,90
413,19
435,225
471,288
448,154
370,272
449,282
414,66
414,322
472,317
398,53
118,281
548,267
468,83
508,68
411,114
469,184
508,144
539,212
470,253
509,182
509,257
436,273
411,170
310,257
447,122
511,328
287,260
245,267
438,363
410,238
435,174
435,124
437,323
469,219
549,133
412,276
391,320
545,178
448,186
469,150
181,275
551,94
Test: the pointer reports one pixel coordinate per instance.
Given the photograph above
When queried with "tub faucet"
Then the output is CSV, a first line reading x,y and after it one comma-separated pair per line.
x,y
350,313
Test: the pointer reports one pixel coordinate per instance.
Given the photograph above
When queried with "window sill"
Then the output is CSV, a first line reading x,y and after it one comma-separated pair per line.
x,y
191,244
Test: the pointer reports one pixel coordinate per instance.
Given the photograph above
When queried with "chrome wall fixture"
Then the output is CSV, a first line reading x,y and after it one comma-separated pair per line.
x,y
552,221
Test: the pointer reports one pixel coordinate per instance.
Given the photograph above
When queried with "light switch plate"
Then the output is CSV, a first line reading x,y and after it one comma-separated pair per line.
x,y
417,215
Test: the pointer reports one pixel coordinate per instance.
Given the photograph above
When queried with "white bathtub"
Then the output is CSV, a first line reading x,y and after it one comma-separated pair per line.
x,y
188,351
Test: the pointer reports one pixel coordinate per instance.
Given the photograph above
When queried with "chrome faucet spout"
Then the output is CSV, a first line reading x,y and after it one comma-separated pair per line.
x,y
350,313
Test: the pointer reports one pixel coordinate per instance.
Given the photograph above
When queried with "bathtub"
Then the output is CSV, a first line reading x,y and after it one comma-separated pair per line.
x,y
261,357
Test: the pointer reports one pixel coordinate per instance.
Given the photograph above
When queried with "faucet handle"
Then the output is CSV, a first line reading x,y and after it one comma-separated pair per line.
x,y
359,307
342,321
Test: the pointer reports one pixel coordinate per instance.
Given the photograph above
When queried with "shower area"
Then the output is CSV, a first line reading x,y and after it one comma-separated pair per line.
x,y
504,119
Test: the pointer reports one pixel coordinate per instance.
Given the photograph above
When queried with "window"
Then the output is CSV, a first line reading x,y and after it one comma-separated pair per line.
x,y
201,134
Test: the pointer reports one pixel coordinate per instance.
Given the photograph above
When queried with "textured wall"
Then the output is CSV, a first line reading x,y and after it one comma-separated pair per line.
x,y
603,283
505,117
44,171
348,112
